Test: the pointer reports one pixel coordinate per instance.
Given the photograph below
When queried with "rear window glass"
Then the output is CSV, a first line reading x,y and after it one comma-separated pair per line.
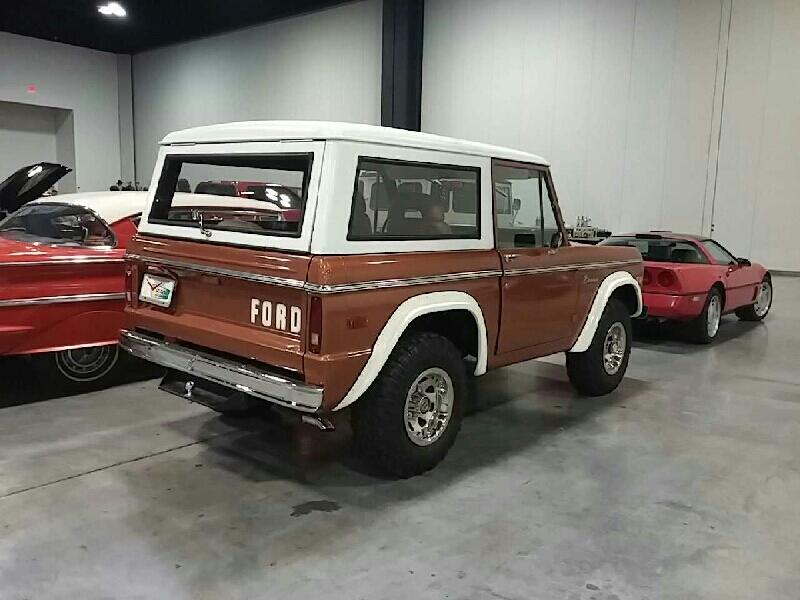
x,y
264,194
56,224
658,250
405,201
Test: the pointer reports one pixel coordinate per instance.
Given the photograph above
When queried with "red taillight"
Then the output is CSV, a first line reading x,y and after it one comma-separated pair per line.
x,y
647,278
291,215
666,279
315,325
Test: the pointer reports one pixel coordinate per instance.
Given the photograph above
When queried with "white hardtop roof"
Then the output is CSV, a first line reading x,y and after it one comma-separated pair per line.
x,y
262,131
109,206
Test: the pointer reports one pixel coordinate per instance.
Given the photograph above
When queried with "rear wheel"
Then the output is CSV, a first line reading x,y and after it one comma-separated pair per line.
x,y
599,369
408,420
78,369
704,329
760,308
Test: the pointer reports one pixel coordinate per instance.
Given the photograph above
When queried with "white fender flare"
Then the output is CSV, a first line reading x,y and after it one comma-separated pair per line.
x,y
401,318
610,283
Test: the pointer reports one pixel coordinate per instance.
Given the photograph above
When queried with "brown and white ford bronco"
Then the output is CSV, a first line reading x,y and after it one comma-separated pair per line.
x,y
366,268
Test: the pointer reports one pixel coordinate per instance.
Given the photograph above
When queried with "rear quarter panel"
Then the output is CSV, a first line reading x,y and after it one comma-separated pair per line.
x,y
34,328
353,320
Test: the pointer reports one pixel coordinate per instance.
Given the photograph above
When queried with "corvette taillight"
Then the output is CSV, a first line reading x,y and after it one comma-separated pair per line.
x,y
666,279
315,325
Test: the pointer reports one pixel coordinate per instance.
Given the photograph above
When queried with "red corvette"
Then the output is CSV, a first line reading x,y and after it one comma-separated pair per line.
x,y
62,274
696,280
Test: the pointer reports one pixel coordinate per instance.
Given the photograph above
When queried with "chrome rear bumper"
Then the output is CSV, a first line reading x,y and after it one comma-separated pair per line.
x,y
237,376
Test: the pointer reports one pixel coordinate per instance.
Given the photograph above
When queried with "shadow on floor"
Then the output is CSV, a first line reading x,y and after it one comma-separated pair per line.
x,y
20,382
673,337
513,412
509,410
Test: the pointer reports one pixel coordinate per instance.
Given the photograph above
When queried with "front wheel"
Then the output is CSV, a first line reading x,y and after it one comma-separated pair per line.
x,y
408,420
599,369
760,308
77,369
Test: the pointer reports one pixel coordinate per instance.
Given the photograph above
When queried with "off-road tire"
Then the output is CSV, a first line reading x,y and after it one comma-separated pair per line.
x,y
586,370
748,313
698,328
379,428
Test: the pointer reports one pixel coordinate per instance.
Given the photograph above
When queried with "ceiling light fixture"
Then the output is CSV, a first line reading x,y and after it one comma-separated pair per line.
x,y
112,9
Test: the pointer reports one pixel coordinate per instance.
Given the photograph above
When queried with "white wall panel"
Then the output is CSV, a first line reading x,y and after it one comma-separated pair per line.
x,y
618,94
71,78
27,136
323,65
758,186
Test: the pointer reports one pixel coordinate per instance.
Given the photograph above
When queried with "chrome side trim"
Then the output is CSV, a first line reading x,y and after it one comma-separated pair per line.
x,y
62,299
318,288
81,260
573,267
222,272
239,376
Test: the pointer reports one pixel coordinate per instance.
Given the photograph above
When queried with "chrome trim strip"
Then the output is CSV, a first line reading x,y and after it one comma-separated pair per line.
x,y
317,288
62,299
207,270
239,376
82,260
572,267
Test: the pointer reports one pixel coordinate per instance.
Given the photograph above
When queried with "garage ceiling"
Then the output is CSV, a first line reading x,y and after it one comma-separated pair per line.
x,y
148,24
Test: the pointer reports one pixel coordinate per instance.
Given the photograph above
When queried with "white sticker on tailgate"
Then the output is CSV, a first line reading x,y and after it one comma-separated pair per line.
x,y
157,290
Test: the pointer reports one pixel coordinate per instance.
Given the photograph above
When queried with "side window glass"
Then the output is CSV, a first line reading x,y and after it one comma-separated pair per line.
x,y
718,253
524,215
405,201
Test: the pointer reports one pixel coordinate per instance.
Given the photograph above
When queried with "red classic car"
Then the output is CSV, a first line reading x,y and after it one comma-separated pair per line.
x,y
62,274
696,280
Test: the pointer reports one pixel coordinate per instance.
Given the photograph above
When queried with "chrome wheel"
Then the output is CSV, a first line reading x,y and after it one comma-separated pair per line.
x,y
764,298
87,364
713,315
614,348
429,404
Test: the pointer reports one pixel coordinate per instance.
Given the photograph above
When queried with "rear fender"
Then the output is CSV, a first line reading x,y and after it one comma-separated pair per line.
x,y
93,328
402,317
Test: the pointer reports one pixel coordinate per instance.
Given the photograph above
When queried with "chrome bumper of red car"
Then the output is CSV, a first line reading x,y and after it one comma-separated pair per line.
x,y
240,377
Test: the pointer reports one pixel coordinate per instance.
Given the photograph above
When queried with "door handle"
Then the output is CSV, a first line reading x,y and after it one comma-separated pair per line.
x,y
510,257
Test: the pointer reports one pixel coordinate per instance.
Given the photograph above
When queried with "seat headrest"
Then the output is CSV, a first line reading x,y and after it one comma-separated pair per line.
x,y
685,255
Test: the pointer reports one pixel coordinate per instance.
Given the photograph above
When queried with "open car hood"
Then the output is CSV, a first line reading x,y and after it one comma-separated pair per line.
x,y
28,184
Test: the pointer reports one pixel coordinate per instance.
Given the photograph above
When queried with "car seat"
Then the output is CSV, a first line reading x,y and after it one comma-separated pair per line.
x,y
359,221
685,255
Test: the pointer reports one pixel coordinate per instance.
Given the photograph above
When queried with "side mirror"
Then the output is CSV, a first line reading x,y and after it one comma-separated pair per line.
x,y
743,262
516,205
556,240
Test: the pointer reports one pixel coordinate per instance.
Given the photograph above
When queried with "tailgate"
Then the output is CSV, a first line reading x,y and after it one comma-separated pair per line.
x,y
244,302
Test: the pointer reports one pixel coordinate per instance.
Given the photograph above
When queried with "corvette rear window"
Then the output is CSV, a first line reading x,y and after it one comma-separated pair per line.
x,y
658,250
261,194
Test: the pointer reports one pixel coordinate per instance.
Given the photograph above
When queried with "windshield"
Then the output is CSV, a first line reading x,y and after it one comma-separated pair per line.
x,y
56,224
660,250
263,194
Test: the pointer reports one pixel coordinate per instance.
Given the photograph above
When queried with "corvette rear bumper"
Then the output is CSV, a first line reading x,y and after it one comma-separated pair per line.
x,y
668,306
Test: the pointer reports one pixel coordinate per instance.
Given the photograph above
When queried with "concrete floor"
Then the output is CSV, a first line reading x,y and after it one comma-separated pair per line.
x,y
683,484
